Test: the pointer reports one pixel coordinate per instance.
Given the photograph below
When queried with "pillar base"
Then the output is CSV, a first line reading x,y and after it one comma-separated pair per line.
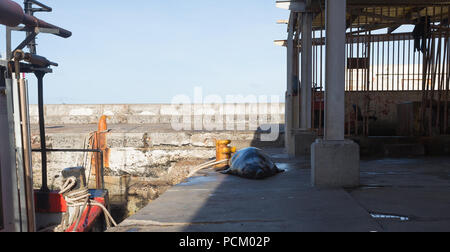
x,y
335,164
301,142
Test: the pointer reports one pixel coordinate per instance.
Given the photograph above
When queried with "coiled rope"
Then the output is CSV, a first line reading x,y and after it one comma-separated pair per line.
x,y
79,200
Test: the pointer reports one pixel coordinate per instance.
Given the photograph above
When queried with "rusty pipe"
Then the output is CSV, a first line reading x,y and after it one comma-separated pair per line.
x,y
26,143
37,60
33,59
11,14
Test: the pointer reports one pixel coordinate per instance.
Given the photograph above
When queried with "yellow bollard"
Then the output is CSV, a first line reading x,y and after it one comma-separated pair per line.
x,y
223,151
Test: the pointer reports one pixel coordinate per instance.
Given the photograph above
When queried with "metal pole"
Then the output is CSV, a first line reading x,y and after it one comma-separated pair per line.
x,y
26,143
8,47
19,155
321,76
28,10
40,77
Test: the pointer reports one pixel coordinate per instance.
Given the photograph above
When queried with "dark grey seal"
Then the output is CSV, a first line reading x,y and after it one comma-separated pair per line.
x,y
252,163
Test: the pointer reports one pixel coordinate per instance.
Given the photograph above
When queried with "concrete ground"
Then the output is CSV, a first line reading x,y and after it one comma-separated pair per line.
x,y
395,195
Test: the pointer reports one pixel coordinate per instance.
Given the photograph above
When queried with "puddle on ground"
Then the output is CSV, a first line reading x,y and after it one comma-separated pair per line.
x,y
132,230
386,173
389,217
285,166
365,187
280,156
399,161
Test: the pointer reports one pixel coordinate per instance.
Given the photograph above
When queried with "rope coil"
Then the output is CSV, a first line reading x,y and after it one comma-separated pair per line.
x,y
79,200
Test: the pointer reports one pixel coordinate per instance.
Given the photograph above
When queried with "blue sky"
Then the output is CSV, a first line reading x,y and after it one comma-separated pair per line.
x,y
148,51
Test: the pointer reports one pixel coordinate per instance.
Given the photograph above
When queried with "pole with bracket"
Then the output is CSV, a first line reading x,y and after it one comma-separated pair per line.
x,y
40,77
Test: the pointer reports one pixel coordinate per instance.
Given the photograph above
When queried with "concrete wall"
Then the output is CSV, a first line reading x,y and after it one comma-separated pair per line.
x,y
151,113
153,153
383,110
150,155
382,106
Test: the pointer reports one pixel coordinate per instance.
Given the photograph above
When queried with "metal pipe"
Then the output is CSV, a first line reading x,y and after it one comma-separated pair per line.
x,y
29,10
321,78
398,65
22,134
40,77
378,64
410,87
447,81
382,66
12,15
37,60
29,6
26,143
403,70
357,82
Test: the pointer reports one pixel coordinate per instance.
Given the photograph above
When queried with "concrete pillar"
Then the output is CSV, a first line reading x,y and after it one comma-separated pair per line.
x,y
306,78
290,93
334,160
335,71
303,135
296,86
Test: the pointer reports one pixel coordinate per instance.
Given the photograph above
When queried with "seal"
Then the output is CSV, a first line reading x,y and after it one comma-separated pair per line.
x,y
252,163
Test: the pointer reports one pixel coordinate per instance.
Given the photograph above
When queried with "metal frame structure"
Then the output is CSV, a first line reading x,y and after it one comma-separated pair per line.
x,y
21,214
339,42
380,58
12,220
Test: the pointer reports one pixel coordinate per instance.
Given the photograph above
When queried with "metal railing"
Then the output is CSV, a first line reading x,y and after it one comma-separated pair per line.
x,y
382,56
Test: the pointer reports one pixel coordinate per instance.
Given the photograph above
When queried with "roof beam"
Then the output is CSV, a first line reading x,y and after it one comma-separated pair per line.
x,y
296,6
283,21
353,39
410,3
408,15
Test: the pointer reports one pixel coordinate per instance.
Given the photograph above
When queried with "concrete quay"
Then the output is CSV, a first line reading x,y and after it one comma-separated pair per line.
x,y
405,194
